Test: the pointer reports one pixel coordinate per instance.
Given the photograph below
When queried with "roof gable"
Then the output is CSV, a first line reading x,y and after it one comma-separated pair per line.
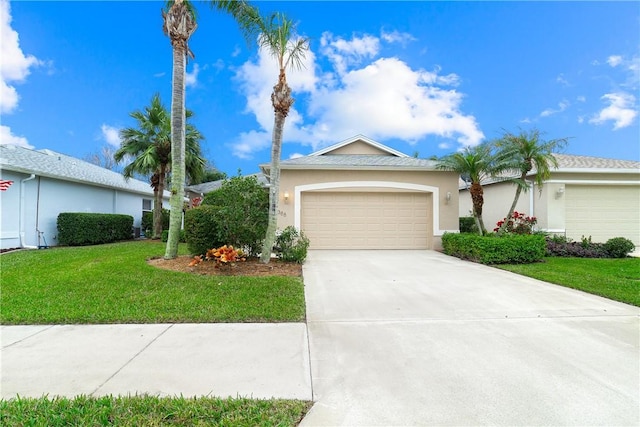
x,y
50,164
358,145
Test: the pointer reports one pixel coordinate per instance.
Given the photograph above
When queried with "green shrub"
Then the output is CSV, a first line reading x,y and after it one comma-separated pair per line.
x,y
491,249
468,224
202,230
292,245
243,213
147,220
165,236
80,228
619,247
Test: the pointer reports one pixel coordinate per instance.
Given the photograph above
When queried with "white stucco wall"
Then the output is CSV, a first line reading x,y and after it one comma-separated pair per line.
x,y
45,198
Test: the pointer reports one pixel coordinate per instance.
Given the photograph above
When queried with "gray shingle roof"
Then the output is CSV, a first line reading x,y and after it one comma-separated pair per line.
x,y
55,165
208,187
345,161
568,161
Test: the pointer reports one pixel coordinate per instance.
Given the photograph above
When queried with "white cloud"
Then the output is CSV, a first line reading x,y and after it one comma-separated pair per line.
x,y
581,99
614,60
162,74
111,135
381,98
15,65
396,37
621,110
562,105
562,80
191,79
7,138
296,155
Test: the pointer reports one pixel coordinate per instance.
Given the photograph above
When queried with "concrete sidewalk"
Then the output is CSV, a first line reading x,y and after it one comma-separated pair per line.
x,y
248,360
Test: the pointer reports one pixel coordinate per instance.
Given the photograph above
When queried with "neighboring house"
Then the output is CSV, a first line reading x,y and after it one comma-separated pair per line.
x,y
360,194
45,183
585,196
196,192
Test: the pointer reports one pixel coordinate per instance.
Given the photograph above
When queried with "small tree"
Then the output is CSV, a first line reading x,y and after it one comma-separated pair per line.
x,y
243,212
526,152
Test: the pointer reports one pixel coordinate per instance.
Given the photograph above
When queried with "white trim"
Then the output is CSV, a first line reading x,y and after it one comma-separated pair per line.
x,y
441,232
368,184
9,235
552,230
594,169
359,138
591,182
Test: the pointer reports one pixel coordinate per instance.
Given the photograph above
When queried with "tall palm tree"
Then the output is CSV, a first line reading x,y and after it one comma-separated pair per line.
x,y
149,146
528,151
179,25
475,165
278,37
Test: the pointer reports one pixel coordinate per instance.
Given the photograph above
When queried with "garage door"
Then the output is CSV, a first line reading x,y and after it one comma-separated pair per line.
x,y
361,220
603,212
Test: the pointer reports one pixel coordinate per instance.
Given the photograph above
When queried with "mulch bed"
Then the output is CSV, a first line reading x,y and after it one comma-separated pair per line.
x,y
250,267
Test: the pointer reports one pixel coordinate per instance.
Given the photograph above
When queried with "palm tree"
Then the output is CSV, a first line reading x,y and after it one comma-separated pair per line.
x,y
179,24
149,146
475,165
278,37
528,151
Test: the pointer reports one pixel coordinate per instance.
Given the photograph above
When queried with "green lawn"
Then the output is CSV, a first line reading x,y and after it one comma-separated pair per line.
x,y
113,284
151,411
616,279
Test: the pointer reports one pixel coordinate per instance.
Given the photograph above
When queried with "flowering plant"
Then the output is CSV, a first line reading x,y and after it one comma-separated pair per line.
x,y
518,224
223,256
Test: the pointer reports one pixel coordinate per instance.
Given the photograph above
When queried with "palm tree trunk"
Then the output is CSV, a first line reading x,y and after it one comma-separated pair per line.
x,y
177,151
157,213
274,188
512,209
477,199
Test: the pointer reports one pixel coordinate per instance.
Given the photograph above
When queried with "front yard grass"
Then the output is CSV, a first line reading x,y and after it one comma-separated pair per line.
x,y
113,284
616,279
150,411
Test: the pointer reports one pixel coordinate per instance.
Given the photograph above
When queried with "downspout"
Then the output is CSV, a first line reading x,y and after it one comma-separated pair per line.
x,y
22,209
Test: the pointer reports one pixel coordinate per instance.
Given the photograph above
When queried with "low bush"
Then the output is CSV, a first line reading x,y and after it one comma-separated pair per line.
x,y
518,224
619,247
80,228
292,245
243,213
202,229
491,249
561,246
147,220
165,236
468,224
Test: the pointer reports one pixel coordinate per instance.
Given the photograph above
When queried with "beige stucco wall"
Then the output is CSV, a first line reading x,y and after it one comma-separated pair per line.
x,y
359,147
444,182
497,201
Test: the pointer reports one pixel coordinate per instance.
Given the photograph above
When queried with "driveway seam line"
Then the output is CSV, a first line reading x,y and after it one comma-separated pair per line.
x,y
26,338
131,359
306,325
479,319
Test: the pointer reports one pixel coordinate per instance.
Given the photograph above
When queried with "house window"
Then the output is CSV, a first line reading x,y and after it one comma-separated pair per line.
x,y
146,205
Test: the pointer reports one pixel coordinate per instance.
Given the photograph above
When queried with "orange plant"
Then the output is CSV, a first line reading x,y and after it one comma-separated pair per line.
x,y
225,255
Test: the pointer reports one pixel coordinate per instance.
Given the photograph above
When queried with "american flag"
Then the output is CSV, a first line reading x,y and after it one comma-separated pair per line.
x,y
5,184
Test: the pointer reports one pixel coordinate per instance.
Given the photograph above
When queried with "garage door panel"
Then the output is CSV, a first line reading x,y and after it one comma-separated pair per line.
x,y
363,220
603,212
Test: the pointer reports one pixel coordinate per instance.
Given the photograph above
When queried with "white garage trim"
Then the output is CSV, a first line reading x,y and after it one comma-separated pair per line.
x,y
370,184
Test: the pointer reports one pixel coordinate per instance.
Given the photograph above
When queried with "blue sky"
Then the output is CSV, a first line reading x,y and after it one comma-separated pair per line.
x,y
425,77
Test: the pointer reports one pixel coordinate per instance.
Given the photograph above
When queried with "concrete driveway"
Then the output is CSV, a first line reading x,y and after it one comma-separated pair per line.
x,y
420,338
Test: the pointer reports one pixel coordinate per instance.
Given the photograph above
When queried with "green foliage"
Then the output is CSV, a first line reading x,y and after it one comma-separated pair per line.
x,y
511,249
519,223
165,236
144,410
80,228
114,283
202,228
468,224
292,245
619,247
243,213
147,220
616,279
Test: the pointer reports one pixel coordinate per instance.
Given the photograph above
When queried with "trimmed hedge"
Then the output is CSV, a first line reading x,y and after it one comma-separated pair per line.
x,y
491,249
202,229
147,220
80,228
